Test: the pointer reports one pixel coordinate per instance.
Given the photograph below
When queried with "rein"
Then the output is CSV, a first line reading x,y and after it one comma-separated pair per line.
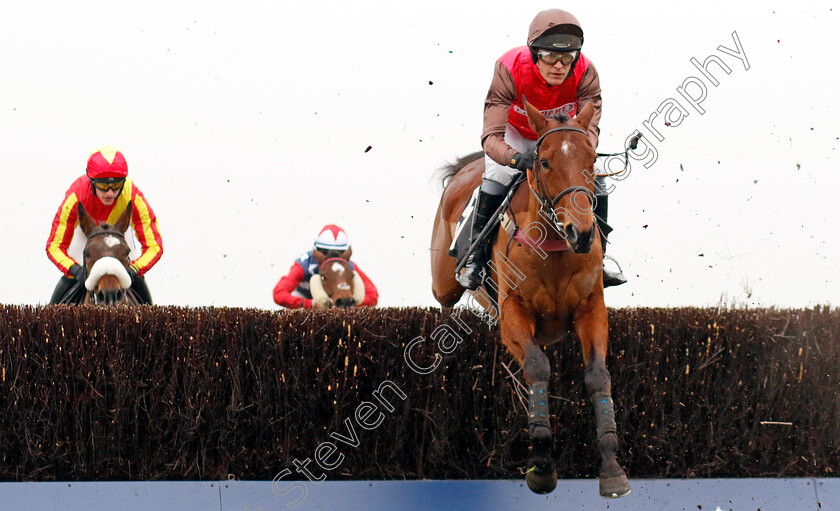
x,y
545,204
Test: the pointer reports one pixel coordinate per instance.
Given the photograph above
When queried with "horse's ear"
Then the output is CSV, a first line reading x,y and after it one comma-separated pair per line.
x,y
124,221
319,257
584,117
347,253
536,119
86,222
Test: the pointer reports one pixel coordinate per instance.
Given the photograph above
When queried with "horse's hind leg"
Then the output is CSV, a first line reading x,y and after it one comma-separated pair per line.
x,y
517,331
592,329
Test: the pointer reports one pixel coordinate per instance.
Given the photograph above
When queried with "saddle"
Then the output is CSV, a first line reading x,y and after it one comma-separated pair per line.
x,y
462,247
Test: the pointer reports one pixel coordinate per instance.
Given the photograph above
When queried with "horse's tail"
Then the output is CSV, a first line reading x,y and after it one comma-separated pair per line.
x,y
445,173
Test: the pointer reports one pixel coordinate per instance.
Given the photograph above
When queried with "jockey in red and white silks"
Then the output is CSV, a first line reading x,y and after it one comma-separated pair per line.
x,y
293,290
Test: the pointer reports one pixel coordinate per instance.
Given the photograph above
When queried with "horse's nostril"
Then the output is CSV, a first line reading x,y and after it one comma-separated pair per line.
x,y
345,302
571,234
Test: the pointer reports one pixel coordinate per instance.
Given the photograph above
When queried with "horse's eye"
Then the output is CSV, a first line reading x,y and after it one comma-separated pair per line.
x,y
544,164
322,277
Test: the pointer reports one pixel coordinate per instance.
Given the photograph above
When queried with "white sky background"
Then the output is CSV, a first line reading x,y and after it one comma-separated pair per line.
x,y
245,125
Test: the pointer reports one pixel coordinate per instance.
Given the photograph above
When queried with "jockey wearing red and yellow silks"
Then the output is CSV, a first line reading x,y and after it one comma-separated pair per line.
x,y
143,221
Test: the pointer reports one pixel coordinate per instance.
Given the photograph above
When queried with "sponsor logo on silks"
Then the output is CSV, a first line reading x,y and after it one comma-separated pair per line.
x,y
565,110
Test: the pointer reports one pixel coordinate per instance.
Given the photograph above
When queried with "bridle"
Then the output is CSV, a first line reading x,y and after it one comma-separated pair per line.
x,y
118,234
540,192
336,259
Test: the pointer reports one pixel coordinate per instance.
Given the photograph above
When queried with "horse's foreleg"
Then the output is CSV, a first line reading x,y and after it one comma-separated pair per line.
x,y
517,331
592,329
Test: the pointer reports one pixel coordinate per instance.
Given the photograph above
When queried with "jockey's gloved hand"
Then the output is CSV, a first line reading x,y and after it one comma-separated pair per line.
x,y
78,272
522,162
132,273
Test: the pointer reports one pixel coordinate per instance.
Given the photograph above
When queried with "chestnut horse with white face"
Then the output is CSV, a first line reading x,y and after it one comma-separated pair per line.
x,y
544,294
336,284
106,260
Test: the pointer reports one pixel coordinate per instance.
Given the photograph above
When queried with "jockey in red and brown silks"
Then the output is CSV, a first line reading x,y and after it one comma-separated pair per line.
x,y
556,78
105,191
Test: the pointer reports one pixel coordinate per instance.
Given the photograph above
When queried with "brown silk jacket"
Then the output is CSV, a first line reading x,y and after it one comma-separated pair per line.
x,y
503,92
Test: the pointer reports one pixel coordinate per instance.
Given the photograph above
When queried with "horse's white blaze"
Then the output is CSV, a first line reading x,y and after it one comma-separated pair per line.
x,y
566,148
344,286
112,241
337,268
107,266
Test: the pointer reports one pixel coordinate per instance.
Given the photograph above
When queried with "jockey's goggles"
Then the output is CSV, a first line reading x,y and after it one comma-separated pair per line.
x,y
108,183
552,57
330,253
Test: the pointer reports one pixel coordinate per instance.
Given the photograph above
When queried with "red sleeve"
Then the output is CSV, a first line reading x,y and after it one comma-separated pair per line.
x,y
371,294
287,284
61,234
148,234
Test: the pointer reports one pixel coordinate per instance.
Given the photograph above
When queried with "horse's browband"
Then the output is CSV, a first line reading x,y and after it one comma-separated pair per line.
x,y
553,130
102,233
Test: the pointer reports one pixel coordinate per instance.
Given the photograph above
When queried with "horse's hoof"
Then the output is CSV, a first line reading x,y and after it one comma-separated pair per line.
x,y
614,487
541,483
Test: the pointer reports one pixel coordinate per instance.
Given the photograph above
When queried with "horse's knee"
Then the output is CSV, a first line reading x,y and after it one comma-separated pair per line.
x,y
597,378
535,364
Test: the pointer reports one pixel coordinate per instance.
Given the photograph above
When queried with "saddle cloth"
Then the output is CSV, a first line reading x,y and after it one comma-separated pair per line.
x,y
461,239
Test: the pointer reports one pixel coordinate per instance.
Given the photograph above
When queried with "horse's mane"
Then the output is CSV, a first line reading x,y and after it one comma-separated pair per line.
x,y
106,227
445,173
561,118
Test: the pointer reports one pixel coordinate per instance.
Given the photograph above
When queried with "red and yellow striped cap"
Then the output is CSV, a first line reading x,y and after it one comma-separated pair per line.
x,y
106,161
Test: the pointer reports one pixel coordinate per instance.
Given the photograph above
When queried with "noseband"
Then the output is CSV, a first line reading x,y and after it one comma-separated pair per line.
x,y
541,193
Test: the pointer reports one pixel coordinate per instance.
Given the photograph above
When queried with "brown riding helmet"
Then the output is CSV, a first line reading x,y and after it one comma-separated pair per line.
x,y
555,30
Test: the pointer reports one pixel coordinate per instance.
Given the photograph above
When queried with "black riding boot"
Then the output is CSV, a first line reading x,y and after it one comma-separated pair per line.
x,y
611,278
486,205
141,291
68,291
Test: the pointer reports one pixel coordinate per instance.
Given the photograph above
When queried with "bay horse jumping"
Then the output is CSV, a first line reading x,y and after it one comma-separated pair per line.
x,y
543,296
335,284
106,260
